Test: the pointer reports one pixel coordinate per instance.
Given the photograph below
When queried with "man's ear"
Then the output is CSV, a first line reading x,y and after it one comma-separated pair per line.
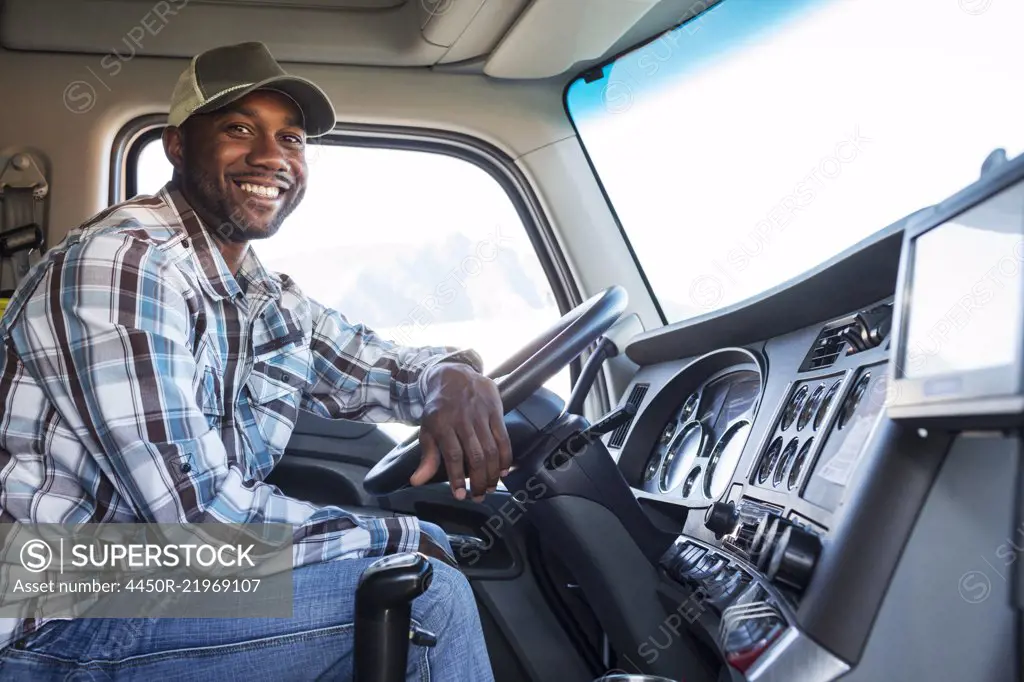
x,y
174,147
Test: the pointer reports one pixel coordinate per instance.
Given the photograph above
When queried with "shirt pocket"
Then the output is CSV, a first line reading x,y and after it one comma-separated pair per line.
x,y
275,387
210,397
279,375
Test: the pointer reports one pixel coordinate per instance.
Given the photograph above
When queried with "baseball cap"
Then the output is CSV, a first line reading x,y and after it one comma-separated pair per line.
x,y
224,74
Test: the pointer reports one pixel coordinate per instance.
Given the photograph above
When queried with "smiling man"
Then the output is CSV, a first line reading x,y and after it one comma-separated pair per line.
x,y
153,371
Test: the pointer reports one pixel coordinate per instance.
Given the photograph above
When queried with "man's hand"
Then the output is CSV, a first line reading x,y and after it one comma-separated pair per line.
x,y
463,421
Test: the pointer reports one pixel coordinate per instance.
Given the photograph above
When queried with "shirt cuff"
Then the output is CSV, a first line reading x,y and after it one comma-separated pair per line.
x,y
465,357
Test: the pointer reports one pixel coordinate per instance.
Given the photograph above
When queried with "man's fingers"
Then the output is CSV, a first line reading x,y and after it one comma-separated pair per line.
x,y
430,460
476,461
451,450
500,434
492,463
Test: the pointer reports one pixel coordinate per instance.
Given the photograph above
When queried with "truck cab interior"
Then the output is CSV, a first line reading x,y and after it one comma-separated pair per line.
x,y
748,273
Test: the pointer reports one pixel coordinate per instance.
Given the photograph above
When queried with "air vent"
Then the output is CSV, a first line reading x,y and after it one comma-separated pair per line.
x,y
826,348
636,396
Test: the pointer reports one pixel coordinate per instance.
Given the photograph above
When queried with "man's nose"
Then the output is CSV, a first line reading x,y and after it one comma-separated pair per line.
x,y
267,153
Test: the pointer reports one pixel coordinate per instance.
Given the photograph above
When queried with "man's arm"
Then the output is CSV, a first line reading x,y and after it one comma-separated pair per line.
x,y
106,334
360,375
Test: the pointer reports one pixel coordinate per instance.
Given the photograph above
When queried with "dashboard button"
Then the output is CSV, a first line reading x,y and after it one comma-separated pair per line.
x,y
793,559
722,518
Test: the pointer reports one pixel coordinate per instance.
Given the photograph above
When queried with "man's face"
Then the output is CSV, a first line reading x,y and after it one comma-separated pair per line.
x,y
243,167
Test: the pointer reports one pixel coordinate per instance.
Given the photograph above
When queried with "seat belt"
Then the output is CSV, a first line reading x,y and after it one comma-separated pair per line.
x,y
23,220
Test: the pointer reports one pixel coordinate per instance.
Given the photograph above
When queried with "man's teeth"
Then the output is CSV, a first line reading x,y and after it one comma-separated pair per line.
x,y
260,190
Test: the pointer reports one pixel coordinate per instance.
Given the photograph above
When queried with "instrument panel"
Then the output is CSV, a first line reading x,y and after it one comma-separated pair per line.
x,y
762,459
700,445
696,427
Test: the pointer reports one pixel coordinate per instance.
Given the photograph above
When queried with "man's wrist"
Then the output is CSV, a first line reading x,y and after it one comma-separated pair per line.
x,y
465,360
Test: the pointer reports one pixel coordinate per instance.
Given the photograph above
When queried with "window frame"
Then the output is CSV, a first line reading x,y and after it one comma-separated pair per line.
x,y
137,133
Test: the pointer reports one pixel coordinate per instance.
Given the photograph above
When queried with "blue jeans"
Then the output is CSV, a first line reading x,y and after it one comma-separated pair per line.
x,y
315,644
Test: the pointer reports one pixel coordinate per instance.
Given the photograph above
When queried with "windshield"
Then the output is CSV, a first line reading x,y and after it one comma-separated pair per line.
x,y
760,139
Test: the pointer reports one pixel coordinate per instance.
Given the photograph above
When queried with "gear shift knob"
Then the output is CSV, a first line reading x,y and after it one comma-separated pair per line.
x,y
383,615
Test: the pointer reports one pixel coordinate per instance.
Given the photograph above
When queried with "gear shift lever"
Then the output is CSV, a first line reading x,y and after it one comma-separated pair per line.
x,y
383,614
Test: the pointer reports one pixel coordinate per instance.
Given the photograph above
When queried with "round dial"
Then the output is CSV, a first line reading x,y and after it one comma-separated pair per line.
x,y
785,460
796,404
851,403
798,464
810,407
685,448
724,458
691,482
826,402
769,460
689,407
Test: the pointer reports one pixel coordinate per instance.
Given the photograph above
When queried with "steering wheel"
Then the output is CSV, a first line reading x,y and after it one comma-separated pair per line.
x,y
517,378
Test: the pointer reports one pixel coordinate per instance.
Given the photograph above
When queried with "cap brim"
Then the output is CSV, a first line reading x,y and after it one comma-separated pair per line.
x,y
317,111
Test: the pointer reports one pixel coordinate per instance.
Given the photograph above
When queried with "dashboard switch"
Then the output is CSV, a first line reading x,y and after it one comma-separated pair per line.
x,y
722,519
794,557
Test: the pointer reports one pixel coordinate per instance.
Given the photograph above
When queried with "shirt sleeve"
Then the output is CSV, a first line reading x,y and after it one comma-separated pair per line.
x,y
360,375
106,332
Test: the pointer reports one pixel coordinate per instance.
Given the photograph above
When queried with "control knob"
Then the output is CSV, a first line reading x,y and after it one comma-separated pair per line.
x,y
795,554
722,519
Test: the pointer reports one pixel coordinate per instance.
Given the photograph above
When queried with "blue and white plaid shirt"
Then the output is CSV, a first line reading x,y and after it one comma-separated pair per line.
x,y
140,381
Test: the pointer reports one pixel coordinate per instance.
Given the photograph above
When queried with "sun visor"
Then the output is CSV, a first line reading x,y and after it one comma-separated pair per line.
x,y
468,28
551,36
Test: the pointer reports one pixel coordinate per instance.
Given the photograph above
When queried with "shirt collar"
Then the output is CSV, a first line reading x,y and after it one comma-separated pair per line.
x,y
222,283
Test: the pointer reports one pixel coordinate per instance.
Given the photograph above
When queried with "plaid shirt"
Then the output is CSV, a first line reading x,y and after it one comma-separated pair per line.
x,y
140,381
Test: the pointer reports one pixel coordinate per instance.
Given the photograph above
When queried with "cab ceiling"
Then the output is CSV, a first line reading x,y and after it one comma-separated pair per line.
x,y
509,39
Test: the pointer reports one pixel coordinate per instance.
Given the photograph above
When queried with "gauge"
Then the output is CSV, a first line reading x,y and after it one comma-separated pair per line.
x,y
826,402
691,482
785,461
724,458
850,406
666,435
769,460
652,466
798,464
809,407
685,448
794,407
689,407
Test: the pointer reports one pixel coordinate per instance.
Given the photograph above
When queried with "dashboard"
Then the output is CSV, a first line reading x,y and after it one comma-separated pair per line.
x,y
817,538
761,461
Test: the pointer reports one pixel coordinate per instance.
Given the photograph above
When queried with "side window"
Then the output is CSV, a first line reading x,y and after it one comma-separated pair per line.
x,y
422,247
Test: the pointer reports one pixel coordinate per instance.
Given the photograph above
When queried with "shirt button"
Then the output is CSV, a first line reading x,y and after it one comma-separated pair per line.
x,y
185,468
285,378
185,242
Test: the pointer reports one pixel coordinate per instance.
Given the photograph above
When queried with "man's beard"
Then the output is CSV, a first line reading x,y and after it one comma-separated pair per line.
x,y
224,220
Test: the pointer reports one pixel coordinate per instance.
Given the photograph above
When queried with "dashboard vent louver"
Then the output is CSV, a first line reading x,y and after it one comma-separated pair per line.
x,y
826,348
636,396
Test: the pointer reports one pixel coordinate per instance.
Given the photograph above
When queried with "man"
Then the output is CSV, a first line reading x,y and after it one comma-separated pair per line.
x,y
152,372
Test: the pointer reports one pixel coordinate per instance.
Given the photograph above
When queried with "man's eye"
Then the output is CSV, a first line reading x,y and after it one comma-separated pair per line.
x,y
294,139
237,127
